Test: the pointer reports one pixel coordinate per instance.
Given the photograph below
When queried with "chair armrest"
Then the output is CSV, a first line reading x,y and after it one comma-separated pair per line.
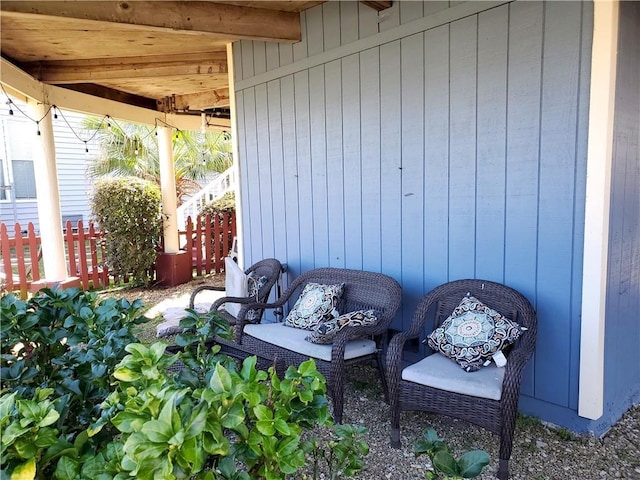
x,y
394,358
221,301
252,305
192,298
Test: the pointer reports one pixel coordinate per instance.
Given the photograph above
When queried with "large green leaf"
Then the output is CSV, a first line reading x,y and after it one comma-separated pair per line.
x,y
445,463
157,431
66,469
471,463
220,380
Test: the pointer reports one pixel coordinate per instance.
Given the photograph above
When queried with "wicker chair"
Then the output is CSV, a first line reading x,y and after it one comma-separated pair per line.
x,y
497,415
269,268
362,290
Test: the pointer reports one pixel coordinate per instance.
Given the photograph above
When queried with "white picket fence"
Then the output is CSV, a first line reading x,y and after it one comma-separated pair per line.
x,y
223,183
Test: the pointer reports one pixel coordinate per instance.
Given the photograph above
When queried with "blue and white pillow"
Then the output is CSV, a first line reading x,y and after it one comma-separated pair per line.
x,y
473,333
317,303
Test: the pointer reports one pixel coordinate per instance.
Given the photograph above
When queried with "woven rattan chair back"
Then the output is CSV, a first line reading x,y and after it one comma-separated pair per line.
x,y
270,268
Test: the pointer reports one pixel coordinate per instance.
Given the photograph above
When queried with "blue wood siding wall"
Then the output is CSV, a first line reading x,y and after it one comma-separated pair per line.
x,y
72,161
430,154
622,328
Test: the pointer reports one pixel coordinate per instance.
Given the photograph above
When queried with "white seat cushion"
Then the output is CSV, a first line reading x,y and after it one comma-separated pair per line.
x,y
294,339
438,371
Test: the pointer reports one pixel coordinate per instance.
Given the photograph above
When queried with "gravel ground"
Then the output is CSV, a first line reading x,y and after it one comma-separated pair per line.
x,y
540,452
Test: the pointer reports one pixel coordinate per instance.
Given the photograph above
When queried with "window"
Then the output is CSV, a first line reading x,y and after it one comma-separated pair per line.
x,y
17,142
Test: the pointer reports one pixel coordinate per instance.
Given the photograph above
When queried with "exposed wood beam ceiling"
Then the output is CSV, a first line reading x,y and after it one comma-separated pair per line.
x,y
165,55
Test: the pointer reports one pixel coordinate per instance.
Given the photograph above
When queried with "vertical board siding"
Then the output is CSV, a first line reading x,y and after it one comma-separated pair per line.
x,y
305,169
71,160
335,173
290,166
389,133
412,161
436,139
622,328
264,172
455,152
276,154
319,188
462,148
371,176
557,171
493,43
351,160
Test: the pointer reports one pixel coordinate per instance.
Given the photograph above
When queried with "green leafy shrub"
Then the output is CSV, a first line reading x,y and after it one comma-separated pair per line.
x,y
81,400
341,455
444,464
130,211
225,204
59,350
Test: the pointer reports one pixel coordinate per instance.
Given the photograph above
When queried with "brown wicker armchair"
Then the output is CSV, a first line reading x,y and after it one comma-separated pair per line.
x,y
269,268
495,410
362,290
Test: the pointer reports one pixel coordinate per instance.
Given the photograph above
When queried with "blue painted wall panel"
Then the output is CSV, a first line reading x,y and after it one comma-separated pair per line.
x,y
622,327
412,161
391,163
335,174
436,147
457,151
351,158
319,167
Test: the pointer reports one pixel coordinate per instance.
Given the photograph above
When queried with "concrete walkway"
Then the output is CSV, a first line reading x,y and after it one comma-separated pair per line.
x,y
173,310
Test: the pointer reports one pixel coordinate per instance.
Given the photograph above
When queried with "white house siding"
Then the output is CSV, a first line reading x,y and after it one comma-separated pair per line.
x,y
446,141
622,326
72,162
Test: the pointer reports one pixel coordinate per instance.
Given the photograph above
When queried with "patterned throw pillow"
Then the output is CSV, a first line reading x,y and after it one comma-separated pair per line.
x,y
255,282
472,334
317,303
325,332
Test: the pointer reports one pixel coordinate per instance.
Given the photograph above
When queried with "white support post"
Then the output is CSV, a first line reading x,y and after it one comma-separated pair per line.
x,y
168,188
48,197
235,150
598,197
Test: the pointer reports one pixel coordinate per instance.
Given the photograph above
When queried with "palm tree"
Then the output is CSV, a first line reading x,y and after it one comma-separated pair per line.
x,y
130,149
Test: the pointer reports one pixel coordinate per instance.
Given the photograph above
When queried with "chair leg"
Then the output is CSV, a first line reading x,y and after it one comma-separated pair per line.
x,y
337,396
503,469
395,423
383,376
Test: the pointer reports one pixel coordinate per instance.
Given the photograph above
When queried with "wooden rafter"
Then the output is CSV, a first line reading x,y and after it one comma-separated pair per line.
x,y
199,101
183,16
101,69
377,4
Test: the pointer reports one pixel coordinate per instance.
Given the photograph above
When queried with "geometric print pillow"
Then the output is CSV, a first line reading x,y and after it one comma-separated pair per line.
x,y
473,333
255,283
317,303
325,332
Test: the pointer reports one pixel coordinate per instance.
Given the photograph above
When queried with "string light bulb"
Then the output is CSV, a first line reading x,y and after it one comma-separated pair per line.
x,y
86,148
9,102
55,113
38,127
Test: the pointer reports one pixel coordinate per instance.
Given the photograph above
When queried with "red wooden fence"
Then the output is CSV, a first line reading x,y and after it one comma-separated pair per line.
x,y
209,239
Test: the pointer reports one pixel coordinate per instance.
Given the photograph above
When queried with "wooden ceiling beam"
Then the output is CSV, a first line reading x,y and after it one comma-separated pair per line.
x,y
377,4
200,101
115,95
106,69
203,17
